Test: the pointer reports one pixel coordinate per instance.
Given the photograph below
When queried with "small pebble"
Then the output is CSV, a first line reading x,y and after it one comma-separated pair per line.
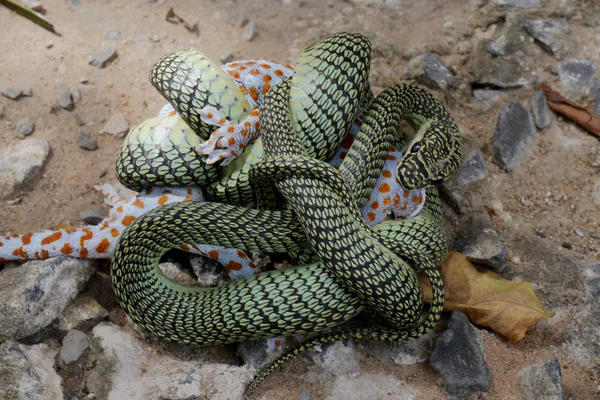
x,y
76,95
94,216
243,20
26,91
114,34
24,128
63,97
50,44
103,57
85,141
567,244
34,5
250,31
117,125
11,93
226,56
516,260
578,232
84,79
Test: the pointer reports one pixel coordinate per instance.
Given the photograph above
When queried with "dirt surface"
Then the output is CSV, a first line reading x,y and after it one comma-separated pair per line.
x,y
550,194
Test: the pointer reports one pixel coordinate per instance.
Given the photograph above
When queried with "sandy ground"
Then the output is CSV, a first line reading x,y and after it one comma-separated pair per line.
x,y
559,163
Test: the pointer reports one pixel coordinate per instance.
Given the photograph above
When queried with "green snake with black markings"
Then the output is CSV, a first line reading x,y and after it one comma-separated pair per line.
x,y
358,268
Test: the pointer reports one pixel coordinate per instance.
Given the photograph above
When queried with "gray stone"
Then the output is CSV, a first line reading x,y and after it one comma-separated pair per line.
x,y
83,313
485,95
542,382
481,243
226,56
510,41
595,95
592,279
504,73
518,3
540,110
513,135
127,368
173,272
87,142
103,57
429,69
208,271
114,34
64,99
34,5
73,346
94,216
404,353
459,358
20,163
250,31
27,372
34,294
84,80
24,128
256,353
551,34
582,336
472,167
15,93
337,357
577,76
305,394
76,95
116,125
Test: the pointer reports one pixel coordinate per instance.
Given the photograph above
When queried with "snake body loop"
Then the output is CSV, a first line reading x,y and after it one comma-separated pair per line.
x,y
359,267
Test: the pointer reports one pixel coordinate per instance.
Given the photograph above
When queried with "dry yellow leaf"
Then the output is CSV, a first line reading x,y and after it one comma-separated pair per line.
x,y
507,307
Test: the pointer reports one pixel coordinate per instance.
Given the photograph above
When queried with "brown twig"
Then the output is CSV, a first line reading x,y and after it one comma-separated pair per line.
x,y
573,111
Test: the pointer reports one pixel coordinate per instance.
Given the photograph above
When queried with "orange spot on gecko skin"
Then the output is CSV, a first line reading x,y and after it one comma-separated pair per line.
x,y
371,216
387,201
184,247
404,206
120,209
66,249
266,88
397,200
267,78
162,200
15,236
278,72
257,125
390,157
375,205
242,68
114,232
231,141
241,254
254,72
244,132
384,188
189,192
51,238
288,66
26,239
386,173
36,255
405,194
343,155
254,93
247,123
128,219
173,113
188,199
234,65
265,66
277,343
1,244
348,142
251,264
244,91
2,260
87,235
393,148
222,121
209,115
45,253
231,129
417,199
139,203
83,253
213,254
70,230
103,246
105,225
19,252
250,63
232,265
148,190
253,113
235,74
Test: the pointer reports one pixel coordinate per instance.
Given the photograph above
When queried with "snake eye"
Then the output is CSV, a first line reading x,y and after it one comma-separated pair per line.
x,y
415,147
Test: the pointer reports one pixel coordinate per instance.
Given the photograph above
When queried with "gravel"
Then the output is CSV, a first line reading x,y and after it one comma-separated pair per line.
x,y
24,128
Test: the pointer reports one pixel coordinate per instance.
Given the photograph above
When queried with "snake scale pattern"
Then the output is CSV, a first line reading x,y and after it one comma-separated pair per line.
x,y
303,120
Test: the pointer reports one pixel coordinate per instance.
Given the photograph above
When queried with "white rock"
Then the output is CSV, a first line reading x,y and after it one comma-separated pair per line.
x,y
20,163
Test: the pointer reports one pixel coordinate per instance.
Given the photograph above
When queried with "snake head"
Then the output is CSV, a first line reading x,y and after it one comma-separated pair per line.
x,y
431,156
